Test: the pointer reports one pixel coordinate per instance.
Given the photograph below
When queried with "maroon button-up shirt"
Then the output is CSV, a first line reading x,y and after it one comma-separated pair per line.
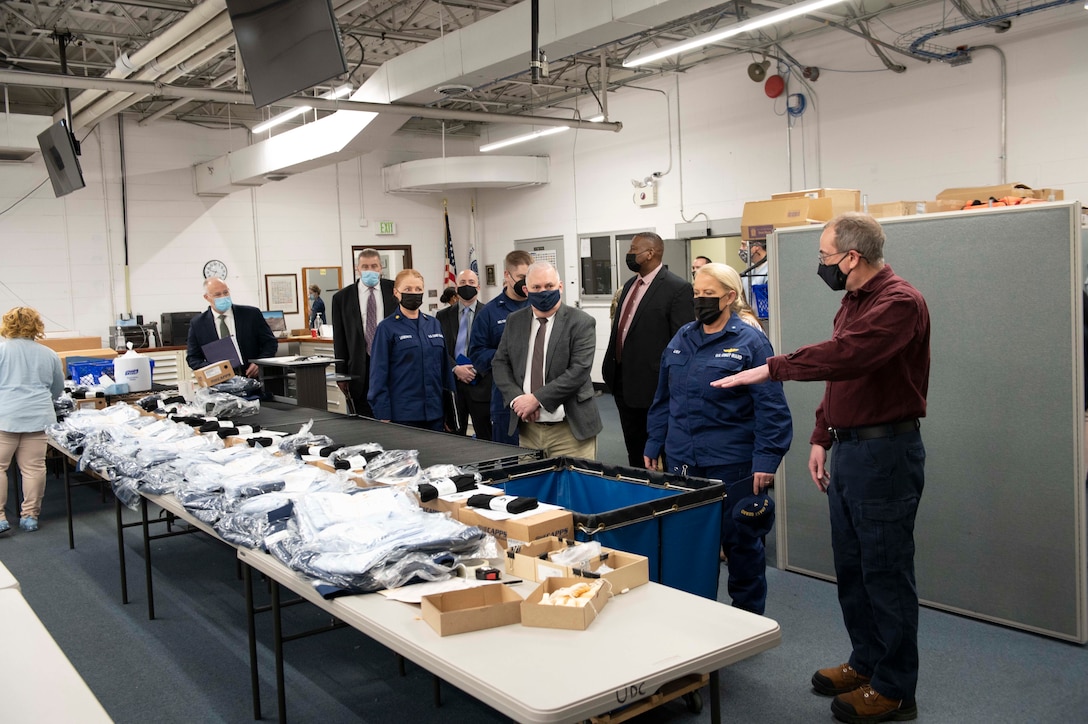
x,y
876,363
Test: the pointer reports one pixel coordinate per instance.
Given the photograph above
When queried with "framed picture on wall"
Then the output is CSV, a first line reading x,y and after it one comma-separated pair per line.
x,y
281,291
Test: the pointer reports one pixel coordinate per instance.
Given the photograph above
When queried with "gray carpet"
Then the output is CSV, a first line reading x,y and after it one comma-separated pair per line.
x,y
190,664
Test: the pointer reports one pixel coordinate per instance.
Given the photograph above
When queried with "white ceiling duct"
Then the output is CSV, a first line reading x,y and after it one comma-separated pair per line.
x,y
495,47
431,175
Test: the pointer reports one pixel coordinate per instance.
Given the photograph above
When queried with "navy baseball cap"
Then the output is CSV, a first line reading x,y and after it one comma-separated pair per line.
x,y
754,514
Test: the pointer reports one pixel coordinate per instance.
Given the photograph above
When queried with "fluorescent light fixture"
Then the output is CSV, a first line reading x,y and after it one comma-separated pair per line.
x,y
530,136
775,16
341,92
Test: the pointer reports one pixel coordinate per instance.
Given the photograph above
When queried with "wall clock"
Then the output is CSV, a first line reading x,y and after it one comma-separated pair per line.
x,y
215,268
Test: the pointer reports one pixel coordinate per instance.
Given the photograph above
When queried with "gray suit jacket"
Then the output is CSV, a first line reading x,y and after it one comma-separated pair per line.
x,y
567,376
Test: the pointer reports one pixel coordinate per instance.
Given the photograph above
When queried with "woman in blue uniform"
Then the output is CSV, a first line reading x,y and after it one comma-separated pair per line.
x,y
738,438
408,370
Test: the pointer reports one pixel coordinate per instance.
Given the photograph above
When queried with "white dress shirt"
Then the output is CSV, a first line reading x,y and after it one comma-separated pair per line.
x,y
560,414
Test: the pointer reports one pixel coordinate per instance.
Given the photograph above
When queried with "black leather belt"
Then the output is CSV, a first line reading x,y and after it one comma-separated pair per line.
x,y
550,424
871,432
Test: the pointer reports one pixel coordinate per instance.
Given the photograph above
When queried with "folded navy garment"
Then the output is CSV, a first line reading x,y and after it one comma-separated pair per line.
x,y
511,504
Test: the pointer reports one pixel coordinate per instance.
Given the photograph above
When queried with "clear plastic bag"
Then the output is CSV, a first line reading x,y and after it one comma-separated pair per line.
x,y
394,467
219,404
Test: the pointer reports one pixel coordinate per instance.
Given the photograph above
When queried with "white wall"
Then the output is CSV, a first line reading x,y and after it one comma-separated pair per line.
x,y
894,136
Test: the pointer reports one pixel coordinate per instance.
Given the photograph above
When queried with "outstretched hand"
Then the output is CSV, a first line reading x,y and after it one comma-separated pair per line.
x,y
754,376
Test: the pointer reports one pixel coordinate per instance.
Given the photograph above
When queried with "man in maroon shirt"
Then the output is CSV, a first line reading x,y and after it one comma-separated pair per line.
x,y
876,366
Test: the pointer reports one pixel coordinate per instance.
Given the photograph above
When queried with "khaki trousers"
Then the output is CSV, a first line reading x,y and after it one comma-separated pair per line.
x,y
28,448
556,440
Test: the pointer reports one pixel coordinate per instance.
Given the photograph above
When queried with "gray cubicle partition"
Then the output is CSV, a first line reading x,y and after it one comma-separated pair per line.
x,y
1000,532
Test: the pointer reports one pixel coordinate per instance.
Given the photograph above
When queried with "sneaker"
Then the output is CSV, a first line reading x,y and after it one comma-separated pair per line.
x,y
4,526
837,680
28,524
865,705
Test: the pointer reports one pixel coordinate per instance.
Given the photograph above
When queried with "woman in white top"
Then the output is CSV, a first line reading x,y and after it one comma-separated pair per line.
x,y
30,379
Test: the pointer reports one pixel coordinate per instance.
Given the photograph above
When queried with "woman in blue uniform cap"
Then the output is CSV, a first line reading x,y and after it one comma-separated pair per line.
x,y
738,438
408,363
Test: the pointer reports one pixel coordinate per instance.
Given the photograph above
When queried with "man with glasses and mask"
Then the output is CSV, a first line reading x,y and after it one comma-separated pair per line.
x,y
357,309
876,365
487,332
542,368
457,320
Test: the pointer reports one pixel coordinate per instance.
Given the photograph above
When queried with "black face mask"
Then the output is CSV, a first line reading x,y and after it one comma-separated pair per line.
x,y
632,263
707,310
519,288
411,301
466,292
832,276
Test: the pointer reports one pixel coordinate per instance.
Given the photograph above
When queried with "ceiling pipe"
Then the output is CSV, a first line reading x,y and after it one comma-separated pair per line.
x,y
171,37
181,103
160,90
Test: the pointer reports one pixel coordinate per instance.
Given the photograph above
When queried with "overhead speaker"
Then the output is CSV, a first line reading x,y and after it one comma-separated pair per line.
x,y
758,71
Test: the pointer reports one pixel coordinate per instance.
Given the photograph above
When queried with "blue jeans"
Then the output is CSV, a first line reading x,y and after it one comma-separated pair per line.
x,y
747,557
873,498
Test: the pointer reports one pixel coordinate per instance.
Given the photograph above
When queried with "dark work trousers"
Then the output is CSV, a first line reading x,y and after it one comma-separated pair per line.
x,y
746,553
478,410
873,498
500,420
633,423
437,425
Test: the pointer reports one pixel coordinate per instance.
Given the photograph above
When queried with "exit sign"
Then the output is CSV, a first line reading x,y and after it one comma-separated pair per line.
x,y
386,227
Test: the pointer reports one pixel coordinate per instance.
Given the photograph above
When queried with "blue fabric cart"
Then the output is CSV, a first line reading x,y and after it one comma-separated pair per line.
x,y
674,521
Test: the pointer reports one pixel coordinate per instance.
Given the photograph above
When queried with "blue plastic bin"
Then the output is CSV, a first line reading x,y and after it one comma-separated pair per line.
x,y
78,367
674,521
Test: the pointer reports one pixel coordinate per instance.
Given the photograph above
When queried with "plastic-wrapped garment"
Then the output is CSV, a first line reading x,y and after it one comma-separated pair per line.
x,y
239,386
355,457
218,404
394,467
302,442
205,502
127,491
255,518
372,540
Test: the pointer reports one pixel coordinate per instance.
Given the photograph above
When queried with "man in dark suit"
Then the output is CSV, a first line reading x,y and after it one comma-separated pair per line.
x,y
225,319
542,368
654,304
472,399
356,311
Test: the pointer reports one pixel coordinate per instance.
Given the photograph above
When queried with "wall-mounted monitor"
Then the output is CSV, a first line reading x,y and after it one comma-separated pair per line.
x,y
58,148
287,45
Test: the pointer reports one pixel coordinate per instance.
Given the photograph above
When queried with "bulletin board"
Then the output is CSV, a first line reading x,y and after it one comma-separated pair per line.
x,y
1000,532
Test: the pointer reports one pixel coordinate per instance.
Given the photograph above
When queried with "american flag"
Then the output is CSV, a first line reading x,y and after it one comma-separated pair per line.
x,y
450,280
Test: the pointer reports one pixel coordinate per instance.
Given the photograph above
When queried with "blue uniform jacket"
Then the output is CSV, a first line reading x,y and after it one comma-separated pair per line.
x,y
486,334
408,369
700,425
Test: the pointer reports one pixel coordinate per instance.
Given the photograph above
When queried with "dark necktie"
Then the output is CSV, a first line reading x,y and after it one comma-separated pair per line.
x,y
625,318
536,371
224,332
371,318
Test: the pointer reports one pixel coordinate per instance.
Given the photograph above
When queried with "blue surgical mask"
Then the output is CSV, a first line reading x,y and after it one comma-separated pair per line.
x,y
222,304
370,278
544,301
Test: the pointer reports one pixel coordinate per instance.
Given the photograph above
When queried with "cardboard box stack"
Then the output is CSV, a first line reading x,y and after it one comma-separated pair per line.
x,y
796,208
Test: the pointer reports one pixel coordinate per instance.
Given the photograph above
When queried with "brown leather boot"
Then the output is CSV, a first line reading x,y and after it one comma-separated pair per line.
x,y
837,680
865,705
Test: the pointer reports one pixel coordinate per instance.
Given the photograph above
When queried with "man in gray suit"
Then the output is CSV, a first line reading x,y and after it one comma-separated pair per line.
x,y
542,368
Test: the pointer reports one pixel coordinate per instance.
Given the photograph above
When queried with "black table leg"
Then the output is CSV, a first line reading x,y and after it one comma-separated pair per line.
x,y
121,550
251,626
715,698
277,646
68,502
147,559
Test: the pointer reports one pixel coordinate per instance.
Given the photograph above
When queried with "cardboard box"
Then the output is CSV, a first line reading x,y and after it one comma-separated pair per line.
x,y
842,200
760,218
91,403
575,618
471,609
896,208
559,523
74,344
942,205
981,193
213,374
531,561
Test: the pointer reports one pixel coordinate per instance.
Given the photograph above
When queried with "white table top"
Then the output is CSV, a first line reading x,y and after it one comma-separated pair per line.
x,y
40,681
296,361
645,638
6,579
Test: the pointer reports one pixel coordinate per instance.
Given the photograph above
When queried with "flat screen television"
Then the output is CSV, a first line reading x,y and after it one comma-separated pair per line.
x,y
287,45
276,322
58,148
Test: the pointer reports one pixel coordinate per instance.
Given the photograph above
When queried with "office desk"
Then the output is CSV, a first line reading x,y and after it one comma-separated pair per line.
x,y
40,682
309,378
644,639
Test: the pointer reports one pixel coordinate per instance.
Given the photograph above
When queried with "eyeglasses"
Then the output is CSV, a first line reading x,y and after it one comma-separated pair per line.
x,y
824,257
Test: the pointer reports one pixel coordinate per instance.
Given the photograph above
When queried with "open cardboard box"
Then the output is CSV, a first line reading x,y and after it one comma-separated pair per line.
x,y
971,193
531,562
895,208
760,218
471,609
574,618
842,200
559,523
